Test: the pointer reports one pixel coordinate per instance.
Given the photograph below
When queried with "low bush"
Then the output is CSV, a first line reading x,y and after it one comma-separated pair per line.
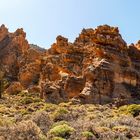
x,y
133,109
87,134
62,130
60,114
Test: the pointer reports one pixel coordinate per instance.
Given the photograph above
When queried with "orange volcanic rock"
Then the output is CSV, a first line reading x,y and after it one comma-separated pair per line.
x,y
102,59
98,67
12,46
30,67
19,61
61,45
3,32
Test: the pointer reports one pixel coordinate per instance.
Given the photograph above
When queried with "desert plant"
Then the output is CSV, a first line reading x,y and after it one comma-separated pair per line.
x,y
63,130
59,123
87,134
28,100
23,130
49,107
133,109
42,120
60,114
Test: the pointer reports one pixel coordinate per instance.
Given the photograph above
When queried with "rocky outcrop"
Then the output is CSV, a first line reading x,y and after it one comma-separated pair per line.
x,y
134,54
98,67
18,60
12,46
103,62
30,67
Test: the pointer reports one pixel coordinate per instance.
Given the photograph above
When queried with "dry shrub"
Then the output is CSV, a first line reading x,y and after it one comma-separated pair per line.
x,y
24,130
42,120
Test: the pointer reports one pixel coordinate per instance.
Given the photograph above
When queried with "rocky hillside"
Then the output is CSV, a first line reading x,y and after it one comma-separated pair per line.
x,y
98,67
85,90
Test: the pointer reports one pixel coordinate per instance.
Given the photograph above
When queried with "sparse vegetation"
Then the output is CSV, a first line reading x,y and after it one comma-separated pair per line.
x,y
28,100
66,121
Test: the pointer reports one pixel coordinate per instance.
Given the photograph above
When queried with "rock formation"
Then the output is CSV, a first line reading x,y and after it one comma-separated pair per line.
x,y
98,67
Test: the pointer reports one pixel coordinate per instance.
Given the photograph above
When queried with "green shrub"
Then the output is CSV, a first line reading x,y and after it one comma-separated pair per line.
x,y
42,137
87,134
62,110
65,104
49,107
63,130
60,114
133,109
37,99
60,123
29,100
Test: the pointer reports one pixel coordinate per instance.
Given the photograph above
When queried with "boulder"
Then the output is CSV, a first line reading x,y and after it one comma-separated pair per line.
x,y
14,88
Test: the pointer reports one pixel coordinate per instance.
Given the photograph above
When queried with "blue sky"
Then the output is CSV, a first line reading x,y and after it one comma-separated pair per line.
x,y
43,20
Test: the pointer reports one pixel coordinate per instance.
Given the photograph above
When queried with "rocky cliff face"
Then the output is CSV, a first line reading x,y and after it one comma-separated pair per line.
x,y
12,47
98,67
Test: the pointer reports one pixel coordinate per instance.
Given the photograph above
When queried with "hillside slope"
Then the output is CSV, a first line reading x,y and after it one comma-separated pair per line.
x,y
85,90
